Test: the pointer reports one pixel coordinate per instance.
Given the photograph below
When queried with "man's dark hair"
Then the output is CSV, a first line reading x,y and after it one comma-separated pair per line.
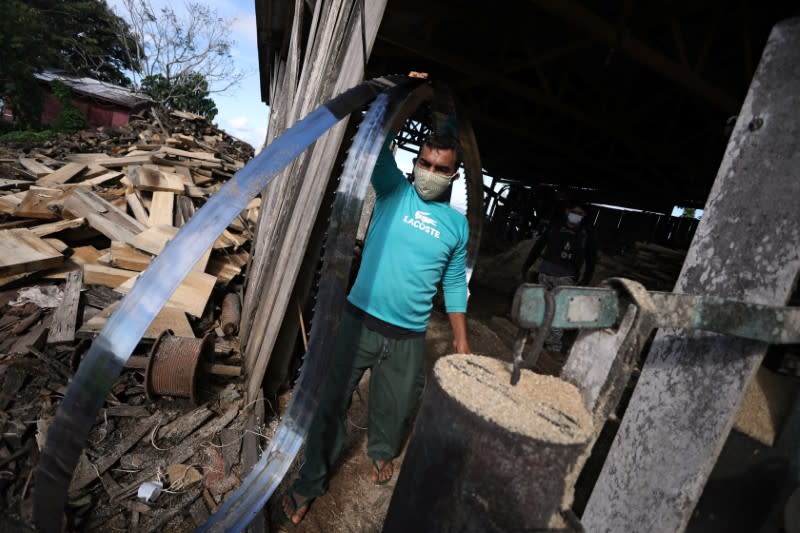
x,y
438,141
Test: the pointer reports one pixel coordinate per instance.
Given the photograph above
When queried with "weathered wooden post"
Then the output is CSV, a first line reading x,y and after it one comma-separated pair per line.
x,y
487,456
747,247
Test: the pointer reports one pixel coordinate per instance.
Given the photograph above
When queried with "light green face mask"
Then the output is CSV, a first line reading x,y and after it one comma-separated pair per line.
x,y
430,185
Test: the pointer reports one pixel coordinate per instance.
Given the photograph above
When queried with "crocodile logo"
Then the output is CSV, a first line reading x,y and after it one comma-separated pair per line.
x,y
424,223
423,217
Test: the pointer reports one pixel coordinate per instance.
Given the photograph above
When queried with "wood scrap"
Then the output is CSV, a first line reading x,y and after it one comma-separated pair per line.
x,y
23,251
62,175
64,320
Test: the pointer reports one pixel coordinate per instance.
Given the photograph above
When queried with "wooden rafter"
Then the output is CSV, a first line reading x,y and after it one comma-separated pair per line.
x,y
603,125
600,29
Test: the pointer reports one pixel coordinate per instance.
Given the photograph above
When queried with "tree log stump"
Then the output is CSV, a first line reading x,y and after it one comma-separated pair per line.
x,y
486,456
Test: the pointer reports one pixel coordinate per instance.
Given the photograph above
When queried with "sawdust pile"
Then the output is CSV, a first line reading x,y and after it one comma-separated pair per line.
x,y
541,407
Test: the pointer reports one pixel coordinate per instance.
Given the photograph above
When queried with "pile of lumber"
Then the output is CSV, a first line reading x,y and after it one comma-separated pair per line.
x,y
654,266
80,219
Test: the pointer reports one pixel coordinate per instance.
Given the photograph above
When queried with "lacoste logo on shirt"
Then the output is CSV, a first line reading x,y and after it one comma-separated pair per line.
x,y
423,217
423,222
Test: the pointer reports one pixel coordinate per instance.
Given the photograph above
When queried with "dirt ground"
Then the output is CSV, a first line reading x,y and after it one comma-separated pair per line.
x,y
353,503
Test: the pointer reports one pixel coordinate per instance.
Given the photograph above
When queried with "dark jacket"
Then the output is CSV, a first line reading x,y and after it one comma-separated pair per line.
x,y
565,252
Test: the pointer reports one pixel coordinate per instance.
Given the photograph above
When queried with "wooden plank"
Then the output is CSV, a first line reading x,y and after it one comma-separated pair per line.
x,y
287,221
62,328
126,256
105,276
138,210
168,318
148,179
203,156
13,184
118,162
102,178
22,251
33,339
161,208
54,227
102,215
227,267
191,296
85,255
693,383
153,240
39,203
10,202
34,167
62,175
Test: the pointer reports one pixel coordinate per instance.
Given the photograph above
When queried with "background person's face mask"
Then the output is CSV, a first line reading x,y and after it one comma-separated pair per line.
x,y
430,185
574,218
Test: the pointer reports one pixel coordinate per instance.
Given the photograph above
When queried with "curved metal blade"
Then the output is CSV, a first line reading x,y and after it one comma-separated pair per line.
x,y
240,508
108,354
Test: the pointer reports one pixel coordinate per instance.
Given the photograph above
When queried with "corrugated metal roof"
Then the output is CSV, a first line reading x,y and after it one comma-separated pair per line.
x,y
96,88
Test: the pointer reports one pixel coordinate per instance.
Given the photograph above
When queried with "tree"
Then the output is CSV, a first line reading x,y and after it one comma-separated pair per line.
x,y
180,55
189,93
79,36
689,212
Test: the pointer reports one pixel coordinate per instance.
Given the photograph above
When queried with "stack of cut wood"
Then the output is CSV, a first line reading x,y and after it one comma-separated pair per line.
x,y
654,266
76,229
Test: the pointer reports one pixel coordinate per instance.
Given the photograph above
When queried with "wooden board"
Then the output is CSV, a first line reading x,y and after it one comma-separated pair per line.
x,y
39,203
136,207
203,156
100,179
117,162
13,184
102,215
191,296
168,318
148,179
62,175
62,328
161,208
105,276
22,251
226,267
747,248
10,202
126,256
54,227
85,255
153,240
34,167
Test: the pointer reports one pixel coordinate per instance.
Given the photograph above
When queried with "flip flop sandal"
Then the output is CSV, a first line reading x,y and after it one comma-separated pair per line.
x,y
286,521
379,471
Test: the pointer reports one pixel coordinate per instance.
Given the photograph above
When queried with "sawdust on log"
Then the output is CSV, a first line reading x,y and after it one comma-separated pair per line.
x,y
541,407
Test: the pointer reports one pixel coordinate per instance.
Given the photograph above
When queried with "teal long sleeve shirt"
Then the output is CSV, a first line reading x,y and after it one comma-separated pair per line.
x,y
411,246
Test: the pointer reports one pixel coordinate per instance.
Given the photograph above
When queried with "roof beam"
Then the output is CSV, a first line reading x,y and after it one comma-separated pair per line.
x,y
600,29
607,126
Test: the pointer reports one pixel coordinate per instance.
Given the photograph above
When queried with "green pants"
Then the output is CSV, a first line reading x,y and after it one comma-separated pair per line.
x,y
397,376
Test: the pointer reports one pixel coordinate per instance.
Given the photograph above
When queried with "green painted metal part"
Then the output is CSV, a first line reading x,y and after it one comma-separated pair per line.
x,y
593,308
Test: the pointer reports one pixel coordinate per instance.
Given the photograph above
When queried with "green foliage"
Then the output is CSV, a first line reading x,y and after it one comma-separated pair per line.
x,y
70,119
689,212
79,36
28,136
185,93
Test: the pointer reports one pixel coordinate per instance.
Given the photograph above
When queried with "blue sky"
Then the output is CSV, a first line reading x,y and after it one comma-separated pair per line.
x,y
241,112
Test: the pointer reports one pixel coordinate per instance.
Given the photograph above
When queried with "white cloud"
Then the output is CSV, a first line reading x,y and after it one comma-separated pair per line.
x,y
237,123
